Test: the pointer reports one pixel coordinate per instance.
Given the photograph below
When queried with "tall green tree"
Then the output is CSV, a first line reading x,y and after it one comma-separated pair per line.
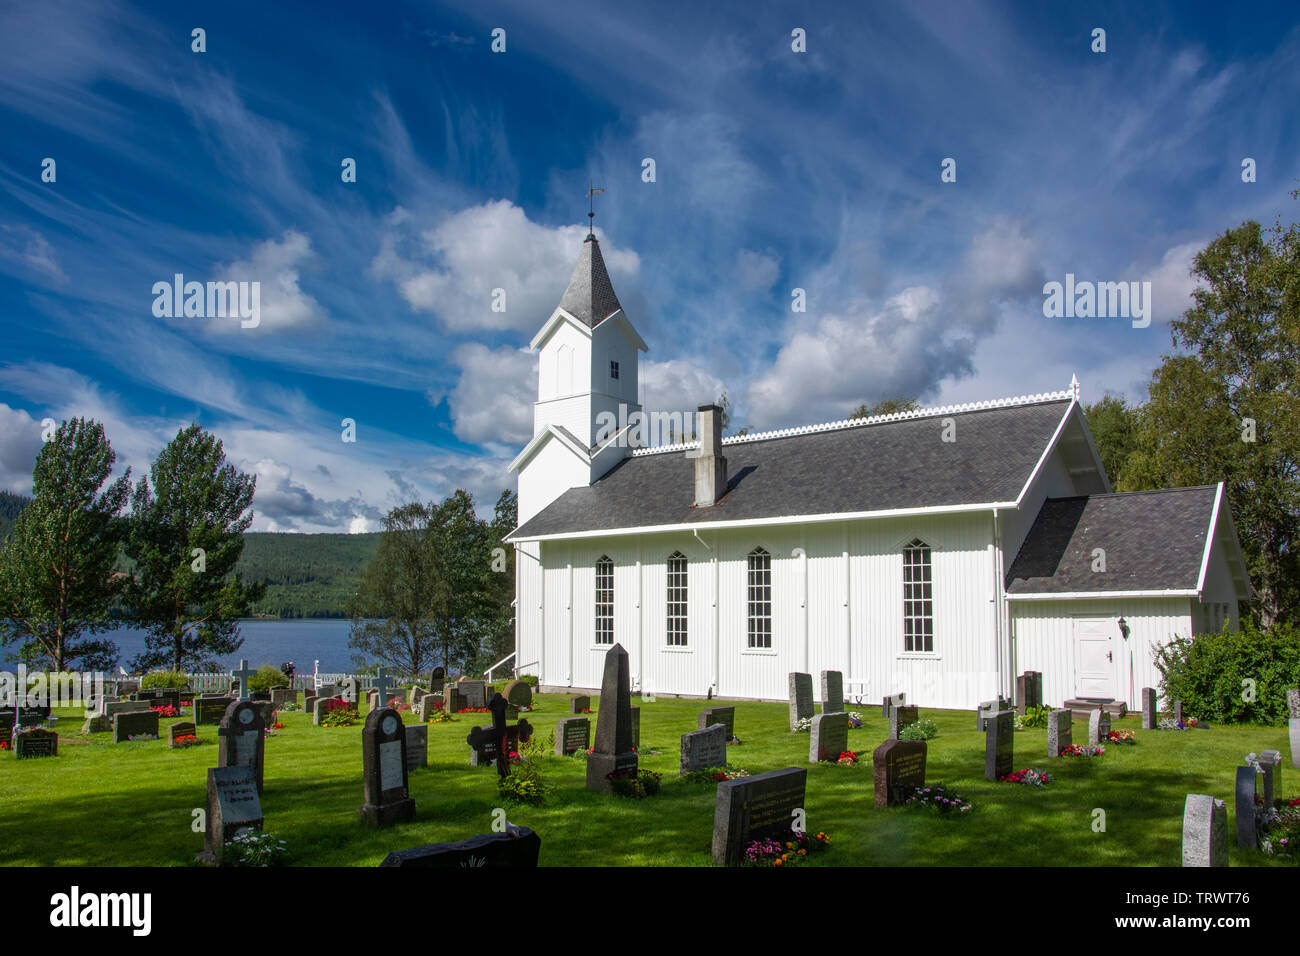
x,y
1114,425
1229,407
186,535
886,406
56,566
499,611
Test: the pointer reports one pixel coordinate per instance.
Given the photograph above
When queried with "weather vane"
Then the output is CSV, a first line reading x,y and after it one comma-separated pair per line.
x,y
592,192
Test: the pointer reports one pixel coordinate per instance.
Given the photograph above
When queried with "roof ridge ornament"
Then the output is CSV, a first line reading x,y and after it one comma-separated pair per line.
x,y
592,191
846,423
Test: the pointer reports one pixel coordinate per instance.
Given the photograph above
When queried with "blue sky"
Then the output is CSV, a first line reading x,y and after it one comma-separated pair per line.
x,y
775,170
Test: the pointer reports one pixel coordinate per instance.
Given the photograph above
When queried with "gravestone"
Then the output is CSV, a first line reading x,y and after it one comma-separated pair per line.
x,y
613,752
636,728
493,744
801,698
1270,763
7,725
181,728
114,707
718,715
126,726
1098,726
1178,711
321,706
1060,733
1205,831
413,696
890,702
1029,691
518,693
898,767
36,742
283,695
571,735
437,679
579,705
901,717
350,691
417,746
210,710
517,847
327,690
453,701
999,743
829,738
1149,712
987,709
704,748
475,692
309,701
1247,834
832,692
233,806
241,739
383,761
753,808
428,704
93,725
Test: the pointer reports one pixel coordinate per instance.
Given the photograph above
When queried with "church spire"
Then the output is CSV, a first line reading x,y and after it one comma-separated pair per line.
x,y
590,296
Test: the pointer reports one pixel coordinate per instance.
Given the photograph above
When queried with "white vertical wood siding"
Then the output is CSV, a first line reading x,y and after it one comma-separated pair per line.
x,y
1043,634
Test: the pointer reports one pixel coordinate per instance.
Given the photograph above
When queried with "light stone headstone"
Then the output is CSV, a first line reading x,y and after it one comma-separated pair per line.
x,y
829,737
1060,734
801,698
832,692
704,748
1205,831
1098,726
890,702
1150,715
233,806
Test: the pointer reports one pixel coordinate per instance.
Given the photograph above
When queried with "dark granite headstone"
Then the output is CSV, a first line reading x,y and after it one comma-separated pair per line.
x,y
1060,731
128,725
1247,832
517,847
114,707
1029,691
181,728
898,767
453,701
475,693
718,715
832,692
417,746
613,752
579,705
636,728
35,742
518,693
383,755
801,698
283,695
210,710
751,808
704,748
233,805
902,717
571,735
999,743
1149,712
241,738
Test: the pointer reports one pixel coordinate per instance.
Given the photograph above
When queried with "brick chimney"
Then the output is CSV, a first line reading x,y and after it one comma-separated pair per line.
x,y
710,466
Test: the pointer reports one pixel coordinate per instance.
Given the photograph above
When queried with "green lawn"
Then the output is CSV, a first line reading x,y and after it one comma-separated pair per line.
x,y
131,804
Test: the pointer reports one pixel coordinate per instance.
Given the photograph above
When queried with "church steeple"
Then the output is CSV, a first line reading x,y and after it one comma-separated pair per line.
x,y
590,296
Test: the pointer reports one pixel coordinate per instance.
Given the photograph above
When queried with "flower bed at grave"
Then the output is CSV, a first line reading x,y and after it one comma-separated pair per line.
x,y
1281,831
923,729
855,720
339,714
473,710
712,775
441,717
288,707
142,737
187,740
847,758
166,710
1030,777
938,798
634,783
254,848
1168,723
803,725
4,745
1125,737
1082,750
791,849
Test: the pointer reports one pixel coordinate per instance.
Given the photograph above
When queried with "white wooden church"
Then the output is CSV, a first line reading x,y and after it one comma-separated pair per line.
x,y
938,552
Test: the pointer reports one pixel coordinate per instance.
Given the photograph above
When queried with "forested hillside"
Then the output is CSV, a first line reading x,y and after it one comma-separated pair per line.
x,y
10,505
307,575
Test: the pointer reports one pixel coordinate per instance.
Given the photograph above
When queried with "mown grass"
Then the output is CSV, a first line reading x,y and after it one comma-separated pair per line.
x,y
100,804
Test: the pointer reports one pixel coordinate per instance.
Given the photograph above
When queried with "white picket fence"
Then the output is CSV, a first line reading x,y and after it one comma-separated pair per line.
x,y
221,683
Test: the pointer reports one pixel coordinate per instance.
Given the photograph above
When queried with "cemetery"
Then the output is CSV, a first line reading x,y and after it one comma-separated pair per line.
x,y
403,787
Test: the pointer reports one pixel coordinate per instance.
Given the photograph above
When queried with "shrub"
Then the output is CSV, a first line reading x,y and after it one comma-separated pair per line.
x,y
638,784
524,785
923,729
167,679
1206,673
1035,717
267,676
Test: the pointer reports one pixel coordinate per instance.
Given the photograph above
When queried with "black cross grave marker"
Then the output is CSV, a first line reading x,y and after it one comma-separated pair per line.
x,y
500,734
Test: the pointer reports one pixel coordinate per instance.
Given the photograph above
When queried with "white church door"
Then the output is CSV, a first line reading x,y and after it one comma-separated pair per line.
x,y
1094,668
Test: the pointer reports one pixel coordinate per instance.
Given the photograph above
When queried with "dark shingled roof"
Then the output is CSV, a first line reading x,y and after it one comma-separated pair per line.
x,y
876,467
590,296
1154,541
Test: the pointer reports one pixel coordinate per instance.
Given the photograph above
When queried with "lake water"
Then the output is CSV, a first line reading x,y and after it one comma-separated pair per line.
x,y
268,642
